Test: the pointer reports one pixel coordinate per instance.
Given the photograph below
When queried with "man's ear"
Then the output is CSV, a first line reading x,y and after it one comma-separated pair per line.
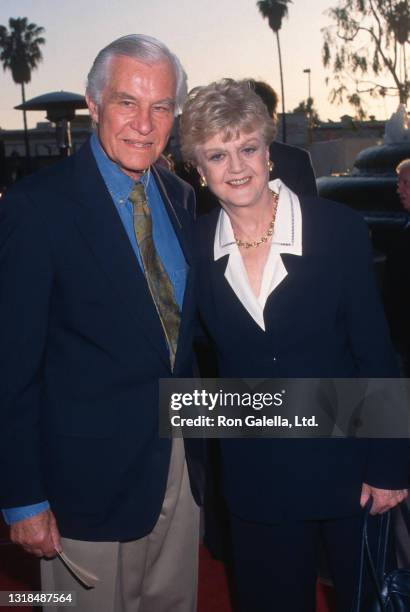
x,y
93,108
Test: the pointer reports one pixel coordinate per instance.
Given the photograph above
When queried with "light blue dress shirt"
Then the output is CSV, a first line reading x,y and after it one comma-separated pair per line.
x,y
166,243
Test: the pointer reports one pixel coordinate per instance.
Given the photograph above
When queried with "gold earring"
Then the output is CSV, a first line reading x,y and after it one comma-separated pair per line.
x,y
270,165
202,181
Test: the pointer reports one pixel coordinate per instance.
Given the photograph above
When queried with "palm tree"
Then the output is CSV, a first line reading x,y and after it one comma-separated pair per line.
x,y
20,53
274,11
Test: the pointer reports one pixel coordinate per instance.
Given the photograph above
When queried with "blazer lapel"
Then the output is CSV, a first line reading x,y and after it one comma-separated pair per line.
x,y
220,288
101,227
168,196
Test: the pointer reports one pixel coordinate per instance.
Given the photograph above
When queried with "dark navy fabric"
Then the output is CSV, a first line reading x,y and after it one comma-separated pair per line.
x,y
294,167
324,320
81,353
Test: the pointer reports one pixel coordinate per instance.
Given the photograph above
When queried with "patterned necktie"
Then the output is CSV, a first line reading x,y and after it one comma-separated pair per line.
x,y
160,286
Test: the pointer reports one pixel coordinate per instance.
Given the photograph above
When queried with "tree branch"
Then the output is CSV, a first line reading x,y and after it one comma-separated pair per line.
x,y
379,85
372,23
387,62
371,89
376,16
394,65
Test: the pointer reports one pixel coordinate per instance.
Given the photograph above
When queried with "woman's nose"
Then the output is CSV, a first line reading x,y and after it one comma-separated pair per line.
x,y
235,164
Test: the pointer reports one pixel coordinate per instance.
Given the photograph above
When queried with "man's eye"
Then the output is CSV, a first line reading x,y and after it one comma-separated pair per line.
x,y
162,109
126,103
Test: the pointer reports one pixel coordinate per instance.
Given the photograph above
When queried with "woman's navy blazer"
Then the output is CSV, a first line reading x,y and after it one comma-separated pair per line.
x,y
324,320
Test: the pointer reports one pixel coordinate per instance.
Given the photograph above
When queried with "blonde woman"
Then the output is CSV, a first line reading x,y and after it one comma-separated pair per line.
x,y
287,290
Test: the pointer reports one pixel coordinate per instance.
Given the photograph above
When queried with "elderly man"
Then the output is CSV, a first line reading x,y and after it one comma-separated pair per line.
x,y
403,183
96,301
397,288
399,270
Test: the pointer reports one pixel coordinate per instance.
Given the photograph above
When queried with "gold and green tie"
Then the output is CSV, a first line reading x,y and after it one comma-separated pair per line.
x,y
160,286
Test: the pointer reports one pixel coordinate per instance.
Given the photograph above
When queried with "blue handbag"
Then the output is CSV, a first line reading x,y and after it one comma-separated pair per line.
x,y
390,591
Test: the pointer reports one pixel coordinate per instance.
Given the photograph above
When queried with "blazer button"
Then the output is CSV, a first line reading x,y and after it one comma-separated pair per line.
x,y
274,359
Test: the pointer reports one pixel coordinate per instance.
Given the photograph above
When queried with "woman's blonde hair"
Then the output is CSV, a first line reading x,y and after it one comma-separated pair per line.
x,y
228,106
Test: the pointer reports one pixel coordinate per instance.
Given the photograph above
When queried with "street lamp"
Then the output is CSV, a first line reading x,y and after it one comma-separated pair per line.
x,y
308,71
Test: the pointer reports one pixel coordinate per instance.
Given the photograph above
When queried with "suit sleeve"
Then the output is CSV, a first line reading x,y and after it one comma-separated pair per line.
x,y
388,462
191,203
25,287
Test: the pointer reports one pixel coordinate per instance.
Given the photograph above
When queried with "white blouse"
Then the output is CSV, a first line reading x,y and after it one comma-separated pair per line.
x,y
286,238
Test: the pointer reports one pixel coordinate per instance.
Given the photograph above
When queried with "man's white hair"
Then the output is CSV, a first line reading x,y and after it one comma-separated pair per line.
x,y
403,165
145,49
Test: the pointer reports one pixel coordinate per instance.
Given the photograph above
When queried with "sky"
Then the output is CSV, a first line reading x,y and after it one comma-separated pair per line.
x,y
212,38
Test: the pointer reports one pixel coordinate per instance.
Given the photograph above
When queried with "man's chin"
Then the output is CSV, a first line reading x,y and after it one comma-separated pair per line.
x,y
405,204
136,170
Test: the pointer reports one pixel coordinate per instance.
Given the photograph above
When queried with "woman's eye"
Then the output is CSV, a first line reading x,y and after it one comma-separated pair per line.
x,y
216,157
249,150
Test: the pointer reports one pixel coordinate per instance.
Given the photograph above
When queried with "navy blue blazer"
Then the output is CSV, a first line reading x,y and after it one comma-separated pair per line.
x,y
323,320
81,352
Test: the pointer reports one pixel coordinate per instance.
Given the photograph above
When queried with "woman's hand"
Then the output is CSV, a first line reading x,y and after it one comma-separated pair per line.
x,y
383,499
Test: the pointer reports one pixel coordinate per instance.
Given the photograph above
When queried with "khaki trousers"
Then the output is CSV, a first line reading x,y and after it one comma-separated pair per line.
x,y
157,573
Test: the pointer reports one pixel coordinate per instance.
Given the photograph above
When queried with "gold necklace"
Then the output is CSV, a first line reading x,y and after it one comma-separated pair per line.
x,y
269,232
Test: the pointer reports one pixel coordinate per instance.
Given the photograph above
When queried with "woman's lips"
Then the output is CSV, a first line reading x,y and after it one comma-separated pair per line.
x,y
239,182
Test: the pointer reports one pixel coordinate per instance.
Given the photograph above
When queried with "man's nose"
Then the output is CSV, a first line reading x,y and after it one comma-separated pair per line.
x,y
142,121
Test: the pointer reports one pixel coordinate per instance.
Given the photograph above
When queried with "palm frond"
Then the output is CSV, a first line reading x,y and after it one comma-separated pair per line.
x,y
274,11
20,48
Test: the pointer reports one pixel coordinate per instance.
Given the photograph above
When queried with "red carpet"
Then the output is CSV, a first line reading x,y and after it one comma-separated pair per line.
x,y
20,572
213,593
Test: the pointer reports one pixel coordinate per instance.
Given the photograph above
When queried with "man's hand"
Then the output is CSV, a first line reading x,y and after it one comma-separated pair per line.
x,y
383,499
38,535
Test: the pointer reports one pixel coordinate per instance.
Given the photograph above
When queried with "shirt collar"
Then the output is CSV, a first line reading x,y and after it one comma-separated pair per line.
x,y
287,236
118,183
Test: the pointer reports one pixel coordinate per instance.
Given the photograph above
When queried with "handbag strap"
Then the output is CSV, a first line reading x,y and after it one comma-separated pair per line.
x,y
382,544
376,570
356,604
405,512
